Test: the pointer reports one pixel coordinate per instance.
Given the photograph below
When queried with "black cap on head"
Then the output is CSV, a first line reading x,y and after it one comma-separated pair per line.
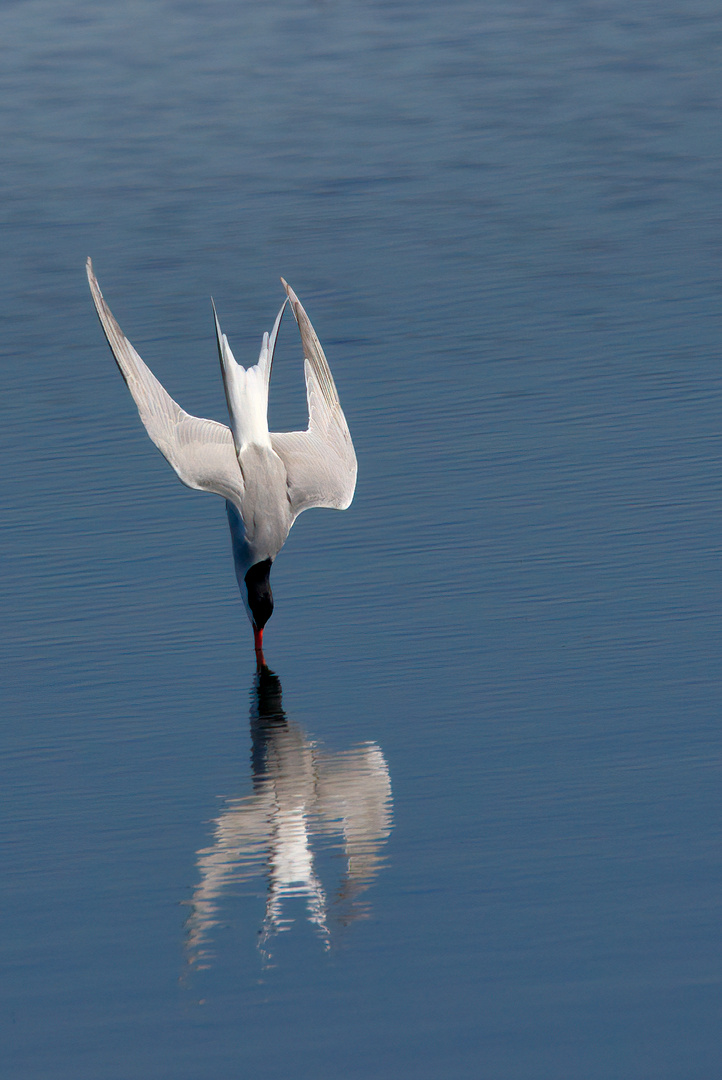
x,y
260,597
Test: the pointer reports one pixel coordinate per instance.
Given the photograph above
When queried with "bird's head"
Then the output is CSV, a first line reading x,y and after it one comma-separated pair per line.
x,y
259,602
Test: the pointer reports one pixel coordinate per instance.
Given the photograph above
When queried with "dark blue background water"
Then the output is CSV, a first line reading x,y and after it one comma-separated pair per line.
x,y
505,222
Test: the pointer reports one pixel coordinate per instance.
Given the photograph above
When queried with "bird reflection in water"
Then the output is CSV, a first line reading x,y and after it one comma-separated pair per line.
x,y
301,794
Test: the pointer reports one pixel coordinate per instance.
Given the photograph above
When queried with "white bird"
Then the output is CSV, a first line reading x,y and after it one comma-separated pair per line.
x,y
266,478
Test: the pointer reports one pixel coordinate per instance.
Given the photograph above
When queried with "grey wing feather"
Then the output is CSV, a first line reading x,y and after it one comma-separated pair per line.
x,y
320,462
200,451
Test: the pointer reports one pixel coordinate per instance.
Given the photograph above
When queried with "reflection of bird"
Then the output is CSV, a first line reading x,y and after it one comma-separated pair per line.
x,y
266,479
303,797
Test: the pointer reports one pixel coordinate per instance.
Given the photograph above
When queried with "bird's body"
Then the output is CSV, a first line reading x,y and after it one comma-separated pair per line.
x,y
266,478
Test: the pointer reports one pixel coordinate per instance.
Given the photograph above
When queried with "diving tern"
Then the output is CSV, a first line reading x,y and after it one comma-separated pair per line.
x,y
267,478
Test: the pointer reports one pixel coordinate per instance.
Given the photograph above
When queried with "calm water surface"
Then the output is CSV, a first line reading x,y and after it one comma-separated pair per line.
x,y
471,825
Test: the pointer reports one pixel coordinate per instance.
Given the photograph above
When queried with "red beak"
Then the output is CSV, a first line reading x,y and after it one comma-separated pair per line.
x,y
258,646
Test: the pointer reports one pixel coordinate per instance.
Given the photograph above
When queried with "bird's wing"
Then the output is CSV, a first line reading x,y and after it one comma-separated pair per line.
x,y
320,462
200,451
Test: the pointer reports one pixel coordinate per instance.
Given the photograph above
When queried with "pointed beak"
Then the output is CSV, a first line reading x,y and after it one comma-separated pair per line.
x,y
258,646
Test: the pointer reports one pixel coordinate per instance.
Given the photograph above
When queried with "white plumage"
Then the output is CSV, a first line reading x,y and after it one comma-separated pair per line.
x,y
267,479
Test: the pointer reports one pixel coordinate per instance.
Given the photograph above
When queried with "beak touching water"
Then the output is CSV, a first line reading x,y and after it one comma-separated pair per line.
x,y
258,645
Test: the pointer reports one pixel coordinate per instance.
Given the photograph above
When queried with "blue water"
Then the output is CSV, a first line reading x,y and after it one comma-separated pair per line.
x,y
472,827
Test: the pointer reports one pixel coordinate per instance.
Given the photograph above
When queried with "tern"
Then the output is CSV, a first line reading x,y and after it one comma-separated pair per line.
x,y
267,478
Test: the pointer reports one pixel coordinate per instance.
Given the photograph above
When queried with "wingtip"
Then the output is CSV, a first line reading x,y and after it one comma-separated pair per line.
x,y
93,283
219,334
289,292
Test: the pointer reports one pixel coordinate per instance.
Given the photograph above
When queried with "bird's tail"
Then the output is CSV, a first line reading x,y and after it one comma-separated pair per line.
x,y
247,388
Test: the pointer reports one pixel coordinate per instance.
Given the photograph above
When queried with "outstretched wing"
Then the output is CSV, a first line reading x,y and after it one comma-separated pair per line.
x,y
200,451
320,462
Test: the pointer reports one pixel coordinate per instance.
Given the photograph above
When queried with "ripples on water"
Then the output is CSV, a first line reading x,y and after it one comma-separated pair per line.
x,y
504,221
